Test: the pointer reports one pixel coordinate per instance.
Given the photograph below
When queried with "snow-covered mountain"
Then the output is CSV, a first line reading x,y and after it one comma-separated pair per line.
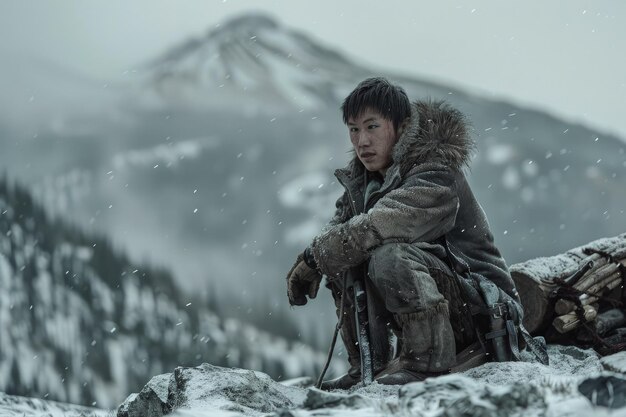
x,y
252,58
216,161
81,323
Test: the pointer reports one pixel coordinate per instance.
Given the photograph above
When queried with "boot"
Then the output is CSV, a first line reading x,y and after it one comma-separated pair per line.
x,y
353,377
427,349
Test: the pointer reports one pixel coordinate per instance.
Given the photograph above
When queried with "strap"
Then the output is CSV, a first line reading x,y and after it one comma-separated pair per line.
x,y
513,342
496,311
496,333
537,346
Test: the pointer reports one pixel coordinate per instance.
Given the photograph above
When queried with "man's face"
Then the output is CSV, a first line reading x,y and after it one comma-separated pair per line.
x,y
373,138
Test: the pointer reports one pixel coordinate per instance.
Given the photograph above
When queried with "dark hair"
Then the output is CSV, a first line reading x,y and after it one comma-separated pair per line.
x,y
381,96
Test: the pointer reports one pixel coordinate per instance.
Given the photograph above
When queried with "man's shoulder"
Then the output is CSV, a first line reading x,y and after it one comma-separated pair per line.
x,y
434,168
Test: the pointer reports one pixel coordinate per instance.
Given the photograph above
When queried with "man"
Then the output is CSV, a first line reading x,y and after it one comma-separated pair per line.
x,y
406,199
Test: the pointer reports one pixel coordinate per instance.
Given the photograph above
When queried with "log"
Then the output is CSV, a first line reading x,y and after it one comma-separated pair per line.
x,y
619,253
614,246
588,299
570,321
536,292
594,277
533,293
535,278
565,306
599,274
606,284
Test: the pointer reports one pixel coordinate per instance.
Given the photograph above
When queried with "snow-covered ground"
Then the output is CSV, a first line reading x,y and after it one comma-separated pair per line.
x,y
16,406
576,383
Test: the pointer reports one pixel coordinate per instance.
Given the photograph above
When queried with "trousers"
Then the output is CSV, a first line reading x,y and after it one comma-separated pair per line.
x,y
407,278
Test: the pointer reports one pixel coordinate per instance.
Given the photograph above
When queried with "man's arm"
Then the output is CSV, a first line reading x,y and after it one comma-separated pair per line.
x,y
423,208
342,207
304,277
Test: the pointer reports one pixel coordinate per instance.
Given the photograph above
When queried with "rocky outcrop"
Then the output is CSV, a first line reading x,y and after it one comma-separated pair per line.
x,y
575,384
211,387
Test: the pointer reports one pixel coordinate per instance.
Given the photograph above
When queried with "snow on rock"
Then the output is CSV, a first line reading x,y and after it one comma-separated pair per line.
x,y
615,362
152,400
209,387
574,384
460,395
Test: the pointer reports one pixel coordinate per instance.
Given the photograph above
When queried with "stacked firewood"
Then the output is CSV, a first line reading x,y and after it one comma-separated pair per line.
x,y
580,290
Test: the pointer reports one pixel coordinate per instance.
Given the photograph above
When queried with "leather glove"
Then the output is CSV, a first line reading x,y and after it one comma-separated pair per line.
x,y
302,280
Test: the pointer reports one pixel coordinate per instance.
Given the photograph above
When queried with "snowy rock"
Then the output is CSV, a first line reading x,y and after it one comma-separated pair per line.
x,y
615,362
151,401
605,390
460,396
321,399
213,388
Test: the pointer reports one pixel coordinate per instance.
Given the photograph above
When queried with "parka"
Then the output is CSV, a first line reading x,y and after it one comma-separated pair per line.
x,y
423,197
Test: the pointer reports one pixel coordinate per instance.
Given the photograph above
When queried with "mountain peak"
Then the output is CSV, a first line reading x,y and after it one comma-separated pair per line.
x,y
247,22
252,55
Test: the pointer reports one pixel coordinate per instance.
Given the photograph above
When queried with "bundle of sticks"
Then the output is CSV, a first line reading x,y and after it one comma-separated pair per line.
x,y
570,289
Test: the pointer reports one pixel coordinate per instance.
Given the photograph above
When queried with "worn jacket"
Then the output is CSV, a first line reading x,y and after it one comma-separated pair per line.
x,y
423,196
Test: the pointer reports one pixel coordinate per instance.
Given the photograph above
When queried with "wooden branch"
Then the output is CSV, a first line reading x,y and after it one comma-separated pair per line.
x,y
565,306
570,321
594,277
599,287
586,299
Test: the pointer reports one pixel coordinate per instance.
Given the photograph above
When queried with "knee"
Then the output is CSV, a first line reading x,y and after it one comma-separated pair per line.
x,y
401,274
394,259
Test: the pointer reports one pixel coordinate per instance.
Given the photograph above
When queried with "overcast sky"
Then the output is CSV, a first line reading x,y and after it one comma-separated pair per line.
x,y
567,57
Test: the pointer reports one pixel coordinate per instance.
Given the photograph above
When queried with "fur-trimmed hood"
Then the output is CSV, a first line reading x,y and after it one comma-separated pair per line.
x,y
436,133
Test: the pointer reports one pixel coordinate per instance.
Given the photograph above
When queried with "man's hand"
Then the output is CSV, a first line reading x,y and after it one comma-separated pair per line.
x,y
302,281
